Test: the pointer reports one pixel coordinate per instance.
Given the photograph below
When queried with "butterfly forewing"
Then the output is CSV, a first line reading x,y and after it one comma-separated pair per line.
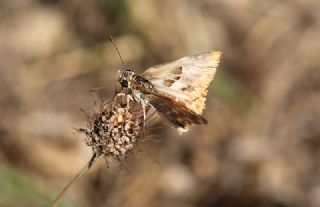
x,y
185,80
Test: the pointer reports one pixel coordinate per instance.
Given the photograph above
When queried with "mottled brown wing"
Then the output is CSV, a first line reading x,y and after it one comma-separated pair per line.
x,y
185,80
178,114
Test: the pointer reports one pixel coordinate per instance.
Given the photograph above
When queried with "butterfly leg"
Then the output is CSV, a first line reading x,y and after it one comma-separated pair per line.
x,y
120,94
129,98
144,111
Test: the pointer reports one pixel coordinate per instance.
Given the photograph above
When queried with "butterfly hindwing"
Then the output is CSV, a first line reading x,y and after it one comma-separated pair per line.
x,y
179,115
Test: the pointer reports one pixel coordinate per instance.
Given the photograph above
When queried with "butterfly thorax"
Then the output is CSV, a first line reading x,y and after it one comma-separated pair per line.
x,y
132,81
137,86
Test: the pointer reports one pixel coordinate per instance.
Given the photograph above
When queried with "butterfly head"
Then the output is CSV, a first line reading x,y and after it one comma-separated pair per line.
x,y
125,78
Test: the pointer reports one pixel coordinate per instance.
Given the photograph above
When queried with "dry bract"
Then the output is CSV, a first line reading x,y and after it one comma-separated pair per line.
x,y
115,128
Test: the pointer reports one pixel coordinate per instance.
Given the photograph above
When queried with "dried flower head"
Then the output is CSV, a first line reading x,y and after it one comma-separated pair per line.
x,y
115,128
113,131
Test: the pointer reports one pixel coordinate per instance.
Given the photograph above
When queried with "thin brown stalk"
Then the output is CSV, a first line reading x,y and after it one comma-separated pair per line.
x,y
75,178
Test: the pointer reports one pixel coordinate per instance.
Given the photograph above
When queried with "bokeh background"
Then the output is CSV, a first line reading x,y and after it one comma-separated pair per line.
x,y
260,148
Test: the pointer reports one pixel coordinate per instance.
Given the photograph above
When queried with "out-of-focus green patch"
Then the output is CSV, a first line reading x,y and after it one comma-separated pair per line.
x,y
16,190
118,12
229,90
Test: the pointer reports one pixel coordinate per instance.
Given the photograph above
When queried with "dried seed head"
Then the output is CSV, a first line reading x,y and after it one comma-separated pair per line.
x,y
115,128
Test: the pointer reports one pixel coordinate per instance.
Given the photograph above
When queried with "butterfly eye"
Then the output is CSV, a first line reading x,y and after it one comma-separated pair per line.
x,y
124,82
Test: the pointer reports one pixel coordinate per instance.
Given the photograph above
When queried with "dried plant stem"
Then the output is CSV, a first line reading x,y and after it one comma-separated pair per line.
x,y
75,178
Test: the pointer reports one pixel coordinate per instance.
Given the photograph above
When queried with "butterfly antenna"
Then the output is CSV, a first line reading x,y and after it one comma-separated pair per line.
x,y
115,46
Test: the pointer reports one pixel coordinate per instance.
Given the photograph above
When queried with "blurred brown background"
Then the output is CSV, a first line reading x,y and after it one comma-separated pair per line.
x,y
260,148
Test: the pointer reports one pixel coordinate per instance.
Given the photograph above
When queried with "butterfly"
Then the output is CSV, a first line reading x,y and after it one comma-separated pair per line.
x,y
177,90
